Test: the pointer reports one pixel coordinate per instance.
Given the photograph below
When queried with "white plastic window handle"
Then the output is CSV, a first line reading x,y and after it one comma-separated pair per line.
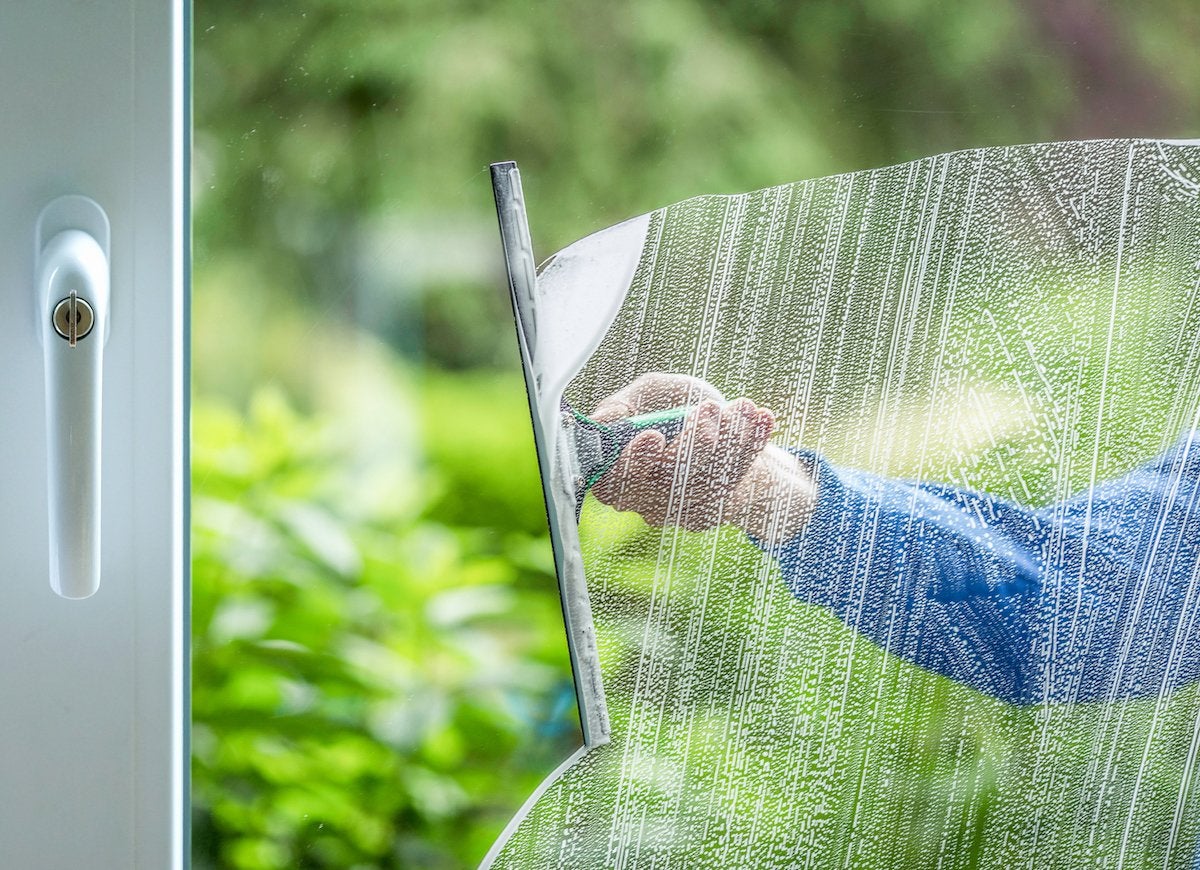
x,y
72,283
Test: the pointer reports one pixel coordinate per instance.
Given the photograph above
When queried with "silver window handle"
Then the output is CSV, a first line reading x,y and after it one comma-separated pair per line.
x,y
72,285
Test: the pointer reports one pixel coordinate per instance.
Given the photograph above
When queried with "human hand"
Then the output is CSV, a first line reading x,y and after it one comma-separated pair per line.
x,y
719,469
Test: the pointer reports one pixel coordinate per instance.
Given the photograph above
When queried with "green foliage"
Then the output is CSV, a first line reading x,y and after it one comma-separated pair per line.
x,y
620,107
365,689
377,635
342,145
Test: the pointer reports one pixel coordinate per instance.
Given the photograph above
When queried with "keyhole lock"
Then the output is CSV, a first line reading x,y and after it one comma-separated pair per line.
x,y
73,318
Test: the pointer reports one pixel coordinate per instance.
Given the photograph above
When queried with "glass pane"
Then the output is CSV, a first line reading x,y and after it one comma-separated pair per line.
x,y
380,672
379,669
946,616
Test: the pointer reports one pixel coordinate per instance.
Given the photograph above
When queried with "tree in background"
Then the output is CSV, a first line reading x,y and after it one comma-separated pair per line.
x,y
336,134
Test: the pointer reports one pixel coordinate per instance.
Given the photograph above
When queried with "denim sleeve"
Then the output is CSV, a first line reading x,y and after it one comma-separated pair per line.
x,y
1087,599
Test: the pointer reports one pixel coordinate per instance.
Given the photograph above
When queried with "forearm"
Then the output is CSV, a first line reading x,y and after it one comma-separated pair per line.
x,y
916,573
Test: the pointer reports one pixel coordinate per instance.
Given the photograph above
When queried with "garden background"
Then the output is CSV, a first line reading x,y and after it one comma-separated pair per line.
x,y
379,669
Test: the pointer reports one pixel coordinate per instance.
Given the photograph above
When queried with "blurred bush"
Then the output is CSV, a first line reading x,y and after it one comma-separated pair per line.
x,y
376,683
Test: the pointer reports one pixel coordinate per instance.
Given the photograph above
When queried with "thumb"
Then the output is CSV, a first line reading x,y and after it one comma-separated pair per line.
x,y
614,407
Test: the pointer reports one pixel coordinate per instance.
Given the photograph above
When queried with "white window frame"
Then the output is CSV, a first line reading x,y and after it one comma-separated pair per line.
x,y
93,763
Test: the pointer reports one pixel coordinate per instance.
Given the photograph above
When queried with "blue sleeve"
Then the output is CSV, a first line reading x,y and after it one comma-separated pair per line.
x,y
1087,599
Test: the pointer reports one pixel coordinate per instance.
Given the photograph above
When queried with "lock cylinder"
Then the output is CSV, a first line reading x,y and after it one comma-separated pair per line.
x,y
73,318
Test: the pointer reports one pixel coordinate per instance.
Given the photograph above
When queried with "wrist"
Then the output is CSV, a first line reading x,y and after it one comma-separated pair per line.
x,y
775,498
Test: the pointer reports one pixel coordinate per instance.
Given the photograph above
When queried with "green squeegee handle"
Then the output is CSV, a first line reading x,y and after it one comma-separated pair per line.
x,y
606,441
668,421
617,434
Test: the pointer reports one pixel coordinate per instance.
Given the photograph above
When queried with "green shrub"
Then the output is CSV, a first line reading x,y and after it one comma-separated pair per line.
x,y
373,686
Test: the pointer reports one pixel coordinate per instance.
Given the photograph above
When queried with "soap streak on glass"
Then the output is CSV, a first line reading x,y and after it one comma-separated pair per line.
x,y
1003,336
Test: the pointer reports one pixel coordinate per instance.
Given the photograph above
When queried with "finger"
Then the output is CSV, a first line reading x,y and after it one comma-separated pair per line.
x,y
764,426
696,445
615,407
652,391
635,474
738,420
649,476
655,391
731,440
759,424
701,494
740,440
645,450
700,428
